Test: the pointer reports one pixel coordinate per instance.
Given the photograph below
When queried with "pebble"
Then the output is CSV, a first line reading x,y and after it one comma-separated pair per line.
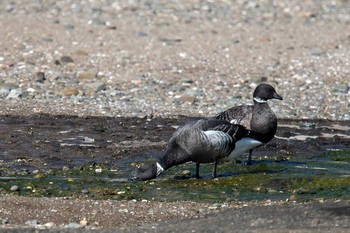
x,y
300,74
32,222
5,221
40,77
84,222
15,94
66,59
69,91
85,191
49,225
94,87
14,188
293,197
87,75
73,225
80,52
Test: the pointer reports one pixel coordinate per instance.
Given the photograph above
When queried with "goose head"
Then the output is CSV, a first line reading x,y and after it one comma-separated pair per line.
x,y
148,172
264,92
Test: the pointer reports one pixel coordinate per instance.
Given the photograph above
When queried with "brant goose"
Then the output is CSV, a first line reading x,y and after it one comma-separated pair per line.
x,y
201,141
258,117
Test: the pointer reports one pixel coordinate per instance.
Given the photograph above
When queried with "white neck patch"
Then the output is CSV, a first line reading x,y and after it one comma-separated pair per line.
x,y
160,169
259,100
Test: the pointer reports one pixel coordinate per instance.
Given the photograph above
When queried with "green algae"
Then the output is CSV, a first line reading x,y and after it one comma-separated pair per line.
x,y
326,176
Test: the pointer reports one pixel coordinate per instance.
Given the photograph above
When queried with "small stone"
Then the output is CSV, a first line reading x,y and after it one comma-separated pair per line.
x,y
49,225
95,87
187,99
73,225
32,222
65,168
70,66
5,221
293,197
98,170
307,125
40,77
39,176
87,75
69,92
85,191
80,52
66,59
84,222
261,189
14,188
15,94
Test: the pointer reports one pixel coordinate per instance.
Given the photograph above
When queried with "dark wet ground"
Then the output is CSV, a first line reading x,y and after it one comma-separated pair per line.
x,y
310,158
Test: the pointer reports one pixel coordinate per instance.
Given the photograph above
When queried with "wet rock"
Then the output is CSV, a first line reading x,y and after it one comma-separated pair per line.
x,y
183,174
32,222
69,92
5,221
73,225
39,176
293,197
307,125
261,189
49,225
85,191
14,188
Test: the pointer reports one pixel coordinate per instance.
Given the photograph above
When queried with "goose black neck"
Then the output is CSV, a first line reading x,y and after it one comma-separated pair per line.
x,y
173,156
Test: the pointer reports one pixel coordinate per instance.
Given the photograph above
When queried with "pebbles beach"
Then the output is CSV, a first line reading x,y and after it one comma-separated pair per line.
x,y
193,58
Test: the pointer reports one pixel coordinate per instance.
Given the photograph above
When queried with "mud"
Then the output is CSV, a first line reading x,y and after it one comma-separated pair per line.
x,y
43,142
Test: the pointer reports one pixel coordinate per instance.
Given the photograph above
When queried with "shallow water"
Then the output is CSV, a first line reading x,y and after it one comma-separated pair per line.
x,y
94,157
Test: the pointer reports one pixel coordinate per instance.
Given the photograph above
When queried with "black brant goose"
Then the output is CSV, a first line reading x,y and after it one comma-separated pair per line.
x,y
201,141
258,117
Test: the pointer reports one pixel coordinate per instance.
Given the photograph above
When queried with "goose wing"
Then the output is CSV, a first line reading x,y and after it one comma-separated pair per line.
x,y
237,115
209,140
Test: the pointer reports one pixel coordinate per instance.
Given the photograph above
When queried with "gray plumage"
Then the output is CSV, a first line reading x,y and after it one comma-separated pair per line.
x,y
258,117
199,141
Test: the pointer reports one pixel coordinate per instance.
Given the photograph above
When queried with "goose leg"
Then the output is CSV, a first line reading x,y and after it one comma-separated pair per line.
x,y
249,158
214,168
197,171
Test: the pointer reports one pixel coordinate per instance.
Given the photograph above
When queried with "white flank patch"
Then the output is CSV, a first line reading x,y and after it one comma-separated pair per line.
x,y
160,169
243,145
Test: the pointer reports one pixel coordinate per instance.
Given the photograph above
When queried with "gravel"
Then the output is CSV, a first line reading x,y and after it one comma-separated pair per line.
x,y
194,58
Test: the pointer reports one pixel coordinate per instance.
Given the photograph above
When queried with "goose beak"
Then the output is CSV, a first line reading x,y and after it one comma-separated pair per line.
x,y
277,96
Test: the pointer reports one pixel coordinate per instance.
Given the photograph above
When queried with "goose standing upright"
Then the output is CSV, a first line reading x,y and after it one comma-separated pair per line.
x,y
201,141
258,117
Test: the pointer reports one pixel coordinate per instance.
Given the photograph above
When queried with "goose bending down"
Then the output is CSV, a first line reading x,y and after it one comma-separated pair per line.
x,y
258,117
201,141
